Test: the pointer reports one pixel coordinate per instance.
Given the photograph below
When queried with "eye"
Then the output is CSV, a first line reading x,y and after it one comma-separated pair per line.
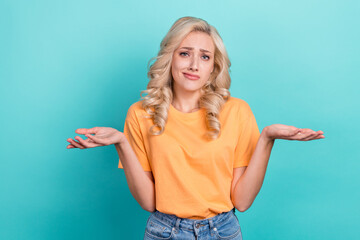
x,y
205,57
184,54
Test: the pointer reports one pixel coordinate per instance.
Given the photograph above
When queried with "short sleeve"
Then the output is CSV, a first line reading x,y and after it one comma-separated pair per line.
x,y
247,139
132,132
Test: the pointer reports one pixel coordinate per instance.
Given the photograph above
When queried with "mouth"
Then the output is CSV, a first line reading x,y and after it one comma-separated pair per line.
x,y
191,76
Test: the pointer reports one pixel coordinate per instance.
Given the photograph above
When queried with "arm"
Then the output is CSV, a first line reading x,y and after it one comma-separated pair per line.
x,y
141,183
249,183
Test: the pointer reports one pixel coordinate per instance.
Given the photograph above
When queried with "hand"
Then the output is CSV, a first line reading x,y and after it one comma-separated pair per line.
x,y
281,131
103,136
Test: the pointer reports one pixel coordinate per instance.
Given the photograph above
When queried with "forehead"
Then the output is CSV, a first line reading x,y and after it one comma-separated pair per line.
x,y
198,40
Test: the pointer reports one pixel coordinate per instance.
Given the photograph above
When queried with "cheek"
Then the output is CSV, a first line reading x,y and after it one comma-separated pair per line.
x,y
208,68
179,63
176,68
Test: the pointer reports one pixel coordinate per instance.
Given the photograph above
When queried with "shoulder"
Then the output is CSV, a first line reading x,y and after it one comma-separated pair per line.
x,y
239,108
136,110
136,106
238,104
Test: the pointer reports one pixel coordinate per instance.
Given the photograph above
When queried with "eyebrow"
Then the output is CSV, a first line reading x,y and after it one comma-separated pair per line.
x,y
201,50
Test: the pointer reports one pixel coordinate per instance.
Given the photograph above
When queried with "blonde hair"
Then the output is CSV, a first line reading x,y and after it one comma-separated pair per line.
x,y
159,89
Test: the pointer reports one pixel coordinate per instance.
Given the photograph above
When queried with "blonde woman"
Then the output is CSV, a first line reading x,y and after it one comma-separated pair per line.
x,y
192,153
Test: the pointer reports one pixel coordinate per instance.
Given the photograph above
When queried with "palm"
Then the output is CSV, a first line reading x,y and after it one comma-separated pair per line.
x,y
103,136
105,133
281,131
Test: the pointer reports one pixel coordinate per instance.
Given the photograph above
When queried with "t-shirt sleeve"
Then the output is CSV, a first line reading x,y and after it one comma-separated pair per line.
x,y
132,132
247,139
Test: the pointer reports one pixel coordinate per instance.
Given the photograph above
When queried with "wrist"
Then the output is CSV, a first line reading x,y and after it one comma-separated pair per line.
x,y
120,146
265,135
121,139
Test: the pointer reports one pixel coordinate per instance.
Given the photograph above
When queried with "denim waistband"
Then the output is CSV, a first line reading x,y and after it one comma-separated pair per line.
x,y
192,224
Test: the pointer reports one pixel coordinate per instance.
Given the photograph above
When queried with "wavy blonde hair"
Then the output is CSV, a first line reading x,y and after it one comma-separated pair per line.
x,y
159,89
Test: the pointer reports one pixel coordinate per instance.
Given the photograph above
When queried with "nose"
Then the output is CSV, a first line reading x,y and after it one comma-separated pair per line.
x,y
194,63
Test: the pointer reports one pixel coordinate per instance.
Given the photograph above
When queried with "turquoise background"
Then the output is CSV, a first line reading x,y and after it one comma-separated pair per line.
x,y
78,64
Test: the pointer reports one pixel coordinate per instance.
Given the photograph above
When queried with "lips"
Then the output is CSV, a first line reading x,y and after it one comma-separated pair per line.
x,y
191,76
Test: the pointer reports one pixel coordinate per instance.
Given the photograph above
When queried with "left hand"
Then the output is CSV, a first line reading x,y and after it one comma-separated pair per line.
x,y
281,131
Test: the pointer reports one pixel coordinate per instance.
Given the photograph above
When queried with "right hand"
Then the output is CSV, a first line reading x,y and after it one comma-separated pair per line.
x,y
103,136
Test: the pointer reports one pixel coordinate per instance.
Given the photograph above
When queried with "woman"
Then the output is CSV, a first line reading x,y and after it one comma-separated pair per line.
x,y
191,153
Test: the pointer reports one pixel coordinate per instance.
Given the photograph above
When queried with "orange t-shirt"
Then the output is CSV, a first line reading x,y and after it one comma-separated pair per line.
x,y
192,174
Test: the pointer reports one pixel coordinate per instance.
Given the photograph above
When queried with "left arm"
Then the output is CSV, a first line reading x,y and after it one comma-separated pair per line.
x,y
247,181
246,187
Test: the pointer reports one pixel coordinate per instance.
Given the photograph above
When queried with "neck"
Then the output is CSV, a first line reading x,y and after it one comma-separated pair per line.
x,y
186,102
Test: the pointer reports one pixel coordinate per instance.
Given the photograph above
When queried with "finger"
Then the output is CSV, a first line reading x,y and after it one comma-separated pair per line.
x,y
303,134
311,134
314,135
96,139
306,134
319,137
76,144
86,143
93,130
70,146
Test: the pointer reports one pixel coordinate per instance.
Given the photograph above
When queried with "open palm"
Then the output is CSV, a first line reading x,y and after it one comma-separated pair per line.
x,y
281,131
103,136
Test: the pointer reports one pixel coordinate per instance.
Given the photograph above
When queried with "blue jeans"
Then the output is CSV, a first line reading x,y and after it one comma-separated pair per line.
x,y
166,226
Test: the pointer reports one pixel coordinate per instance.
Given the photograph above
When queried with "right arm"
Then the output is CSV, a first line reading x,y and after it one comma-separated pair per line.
x,y
141,183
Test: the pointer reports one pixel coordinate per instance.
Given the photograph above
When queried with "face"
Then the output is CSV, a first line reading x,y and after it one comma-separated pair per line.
x,y
193,62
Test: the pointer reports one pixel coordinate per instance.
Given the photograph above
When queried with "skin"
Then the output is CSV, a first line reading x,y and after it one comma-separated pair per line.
x,y
247,181
195,55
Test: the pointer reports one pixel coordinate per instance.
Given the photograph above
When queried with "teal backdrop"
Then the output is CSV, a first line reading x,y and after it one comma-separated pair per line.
x,y
79,64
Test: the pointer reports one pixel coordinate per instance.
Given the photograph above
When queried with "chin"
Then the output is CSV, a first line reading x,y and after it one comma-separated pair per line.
x,y
189,85
191,90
